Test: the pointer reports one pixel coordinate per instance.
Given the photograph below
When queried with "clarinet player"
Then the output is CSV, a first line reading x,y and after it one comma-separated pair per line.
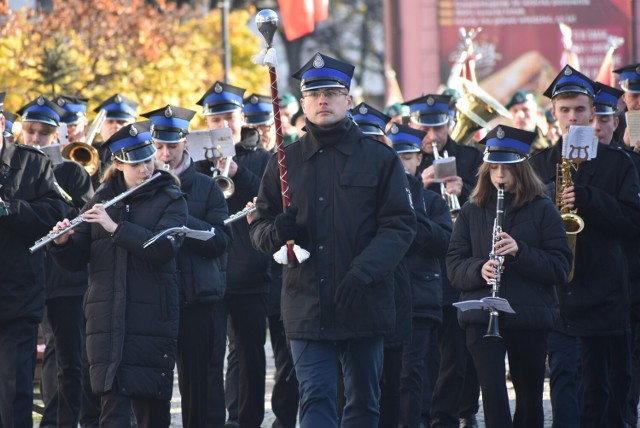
x,y
536,254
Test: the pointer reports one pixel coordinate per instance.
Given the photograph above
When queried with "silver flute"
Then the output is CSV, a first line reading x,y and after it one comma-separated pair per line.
x,y
76,221
240,214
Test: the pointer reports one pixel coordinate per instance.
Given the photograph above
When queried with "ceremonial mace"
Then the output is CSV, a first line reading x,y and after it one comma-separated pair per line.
x,y
267,23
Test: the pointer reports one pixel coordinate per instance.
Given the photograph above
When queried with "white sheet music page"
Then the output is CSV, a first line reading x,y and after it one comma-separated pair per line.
x,y
578,144
633,125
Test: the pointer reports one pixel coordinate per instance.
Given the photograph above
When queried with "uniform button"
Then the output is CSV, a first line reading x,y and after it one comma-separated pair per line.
x,y
165,356
124,389
321,328
322,280
162,374
321,198
321,247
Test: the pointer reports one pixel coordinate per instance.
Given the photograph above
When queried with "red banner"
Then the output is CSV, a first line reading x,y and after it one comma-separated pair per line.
x,y
521,44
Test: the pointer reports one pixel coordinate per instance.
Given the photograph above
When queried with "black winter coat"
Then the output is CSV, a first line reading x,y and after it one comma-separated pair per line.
x,y
355,217
76,182
425,264
131,306
202,265
27,185
249,270
607,191
543,260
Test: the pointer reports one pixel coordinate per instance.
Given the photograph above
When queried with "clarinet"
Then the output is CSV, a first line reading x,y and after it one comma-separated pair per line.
x,y
493,329
78,220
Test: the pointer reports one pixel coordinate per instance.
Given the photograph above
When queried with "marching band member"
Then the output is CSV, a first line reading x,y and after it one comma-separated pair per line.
x,y
419,367
30,205
131,306
537,256
630,83
202,267
525,111
606,121
350,206
120,111
258,114
594,305
61,386
248,272
75,117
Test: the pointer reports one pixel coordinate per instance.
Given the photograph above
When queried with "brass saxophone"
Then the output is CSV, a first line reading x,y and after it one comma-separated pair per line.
x,y
573,223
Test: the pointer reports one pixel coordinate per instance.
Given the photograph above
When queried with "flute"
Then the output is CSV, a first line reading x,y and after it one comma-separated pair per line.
x,y
76,221
240,214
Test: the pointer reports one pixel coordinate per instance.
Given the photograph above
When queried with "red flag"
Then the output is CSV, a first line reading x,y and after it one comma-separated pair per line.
x,y
300,16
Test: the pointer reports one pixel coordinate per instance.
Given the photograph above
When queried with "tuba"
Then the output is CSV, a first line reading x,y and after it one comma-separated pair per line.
x,y
83,153
474,110
573,223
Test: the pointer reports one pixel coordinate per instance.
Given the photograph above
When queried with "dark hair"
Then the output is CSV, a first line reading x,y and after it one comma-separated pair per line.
x,y
528,185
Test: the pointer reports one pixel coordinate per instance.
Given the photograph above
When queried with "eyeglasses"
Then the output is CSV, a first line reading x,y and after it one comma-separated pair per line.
x,y
329,94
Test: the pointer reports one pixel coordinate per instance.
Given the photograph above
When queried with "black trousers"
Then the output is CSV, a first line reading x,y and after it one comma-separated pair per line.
x,y
527,352
606,365
284,397
248,313
390,387
200,362
63,330
17,361
150,413
456,391
418,372
634,389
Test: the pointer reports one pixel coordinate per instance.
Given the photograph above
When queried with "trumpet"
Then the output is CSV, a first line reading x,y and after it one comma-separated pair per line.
x,y
452,200
78,220
240,214
223,180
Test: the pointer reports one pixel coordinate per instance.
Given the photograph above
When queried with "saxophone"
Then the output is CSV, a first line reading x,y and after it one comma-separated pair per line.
x,y
573,223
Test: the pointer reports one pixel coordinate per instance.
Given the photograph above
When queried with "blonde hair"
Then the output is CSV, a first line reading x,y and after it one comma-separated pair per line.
x,y
528,185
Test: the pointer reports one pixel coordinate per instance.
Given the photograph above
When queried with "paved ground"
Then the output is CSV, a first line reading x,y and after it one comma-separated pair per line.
x,y
176,418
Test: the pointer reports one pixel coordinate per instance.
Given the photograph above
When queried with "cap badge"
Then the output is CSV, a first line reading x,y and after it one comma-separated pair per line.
x,y
254,99
430,101
363,110
638,69
40,100
568,72
133,131
168,112
318,62
500,133
519,99
61,102
118,99
217,88
394,129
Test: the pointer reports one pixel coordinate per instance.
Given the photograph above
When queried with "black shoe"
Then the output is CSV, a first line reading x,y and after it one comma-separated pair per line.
x,y
469,422
231,424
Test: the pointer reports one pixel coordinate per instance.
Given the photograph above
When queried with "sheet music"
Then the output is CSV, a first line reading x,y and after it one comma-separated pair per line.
x,y
444,167
487,303
210,143
580,144
633,125
182,231
53,152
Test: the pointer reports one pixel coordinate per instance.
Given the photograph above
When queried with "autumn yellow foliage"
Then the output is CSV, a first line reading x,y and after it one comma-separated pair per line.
x,y
93,49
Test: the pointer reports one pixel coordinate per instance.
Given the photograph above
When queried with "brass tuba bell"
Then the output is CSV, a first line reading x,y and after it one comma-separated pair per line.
x,y
83,153
474,110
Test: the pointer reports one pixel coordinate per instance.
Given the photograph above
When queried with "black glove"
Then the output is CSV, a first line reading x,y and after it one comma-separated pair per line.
x,y
350,290
285,224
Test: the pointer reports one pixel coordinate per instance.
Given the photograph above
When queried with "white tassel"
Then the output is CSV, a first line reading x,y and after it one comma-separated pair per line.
x,y
270,58
259,58
281,256
301,253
